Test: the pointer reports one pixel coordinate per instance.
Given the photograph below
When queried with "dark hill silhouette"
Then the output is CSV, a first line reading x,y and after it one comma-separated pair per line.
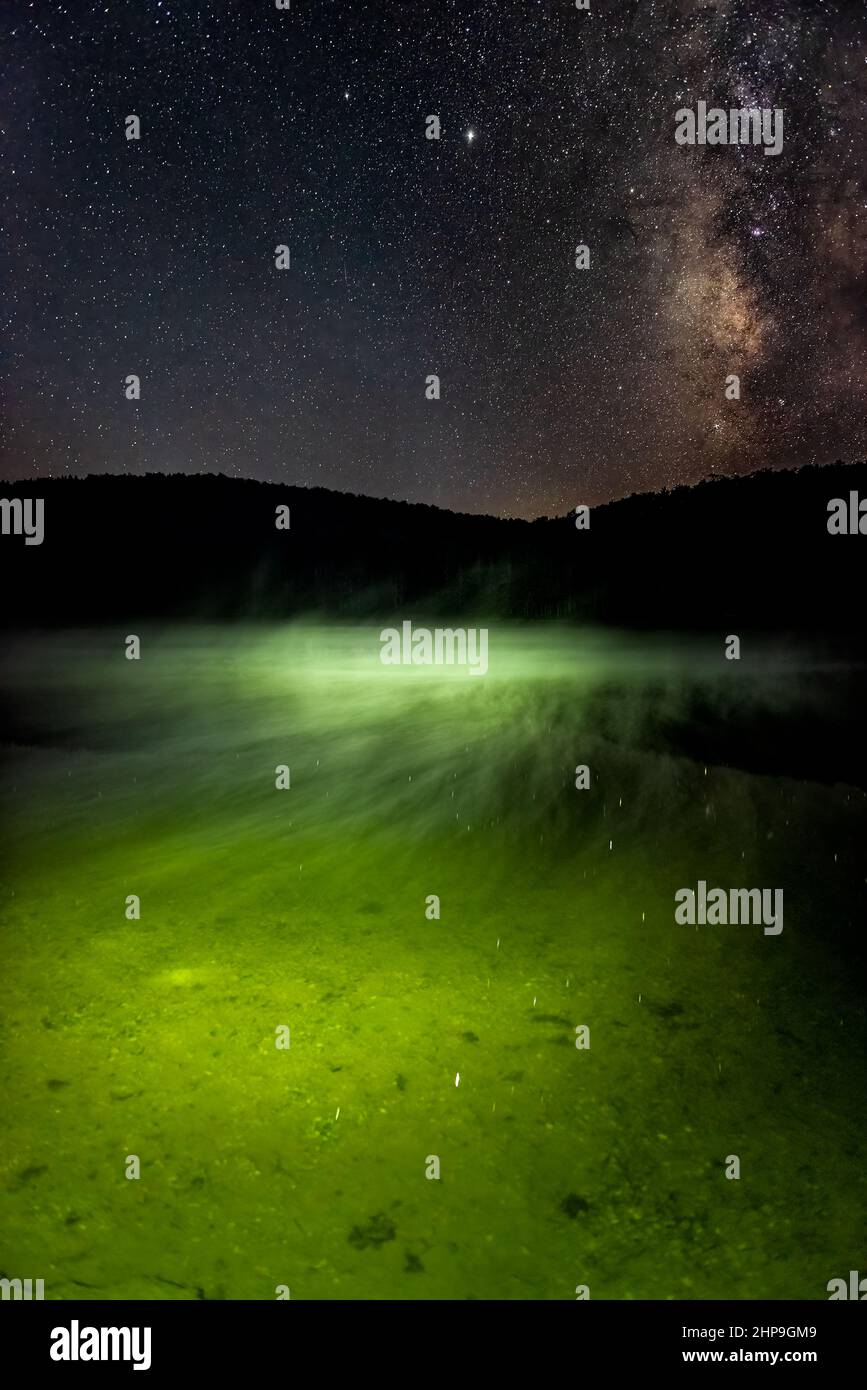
x,y
748,553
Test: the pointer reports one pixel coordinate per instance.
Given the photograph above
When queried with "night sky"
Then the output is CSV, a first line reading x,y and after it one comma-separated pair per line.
x,y
411,256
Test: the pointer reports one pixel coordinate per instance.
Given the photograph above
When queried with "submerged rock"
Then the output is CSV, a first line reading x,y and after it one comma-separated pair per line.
x,y
377,1231
573,1205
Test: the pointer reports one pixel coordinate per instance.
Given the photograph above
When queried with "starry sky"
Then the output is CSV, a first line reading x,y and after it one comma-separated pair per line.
x,y
410,256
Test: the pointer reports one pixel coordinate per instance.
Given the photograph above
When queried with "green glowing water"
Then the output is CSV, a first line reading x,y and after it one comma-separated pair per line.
x,y
306,908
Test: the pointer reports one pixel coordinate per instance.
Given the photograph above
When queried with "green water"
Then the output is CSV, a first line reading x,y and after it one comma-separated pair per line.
x,y
306,908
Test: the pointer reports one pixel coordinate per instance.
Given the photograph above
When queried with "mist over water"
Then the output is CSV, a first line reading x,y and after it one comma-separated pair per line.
x,y
208,713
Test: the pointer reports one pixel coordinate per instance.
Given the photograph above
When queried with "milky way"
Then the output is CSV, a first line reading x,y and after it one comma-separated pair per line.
x,y
412,257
